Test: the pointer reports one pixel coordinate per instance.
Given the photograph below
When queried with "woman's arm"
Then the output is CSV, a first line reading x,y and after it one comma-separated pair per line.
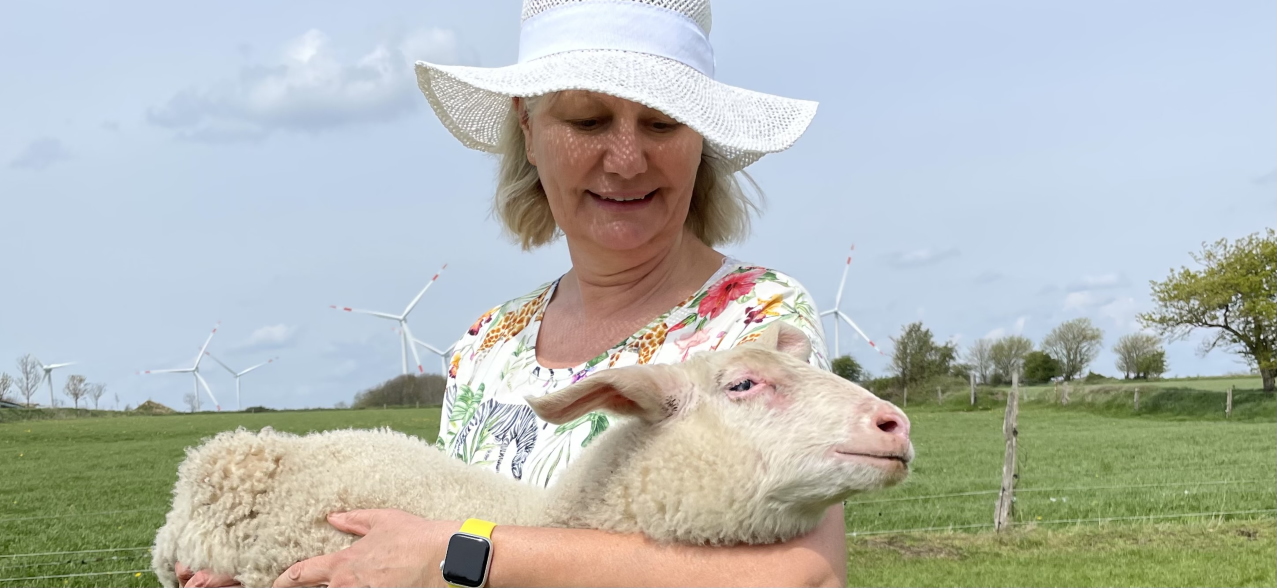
x,y
398,549
526,556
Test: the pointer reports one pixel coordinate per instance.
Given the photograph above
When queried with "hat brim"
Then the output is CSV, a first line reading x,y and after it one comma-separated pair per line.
x,y
473,102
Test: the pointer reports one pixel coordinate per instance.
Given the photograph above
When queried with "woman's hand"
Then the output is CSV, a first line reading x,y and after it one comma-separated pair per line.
x,y
202,578
397,549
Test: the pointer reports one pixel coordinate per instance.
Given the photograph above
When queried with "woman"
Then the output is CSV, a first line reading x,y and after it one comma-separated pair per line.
x,y
612,134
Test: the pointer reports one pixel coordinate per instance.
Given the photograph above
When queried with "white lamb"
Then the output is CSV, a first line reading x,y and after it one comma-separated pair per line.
x,y
748,445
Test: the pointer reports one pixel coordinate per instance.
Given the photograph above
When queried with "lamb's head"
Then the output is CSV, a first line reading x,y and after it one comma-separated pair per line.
x,y
812,438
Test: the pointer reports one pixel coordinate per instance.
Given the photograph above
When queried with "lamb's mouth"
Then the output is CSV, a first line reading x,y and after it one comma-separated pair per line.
x,y
874,457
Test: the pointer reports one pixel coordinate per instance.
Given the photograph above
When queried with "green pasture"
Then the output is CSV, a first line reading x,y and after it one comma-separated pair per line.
x,y
1102,498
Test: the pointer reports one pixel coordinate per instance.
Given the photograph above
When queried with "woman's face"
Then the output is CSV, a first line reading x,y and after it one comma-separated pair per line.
x,y
618,175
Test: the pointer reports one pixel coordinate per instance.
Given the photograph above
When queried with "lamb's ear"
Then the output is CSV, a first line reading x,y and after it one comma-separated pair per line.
x,y
785,338
650,392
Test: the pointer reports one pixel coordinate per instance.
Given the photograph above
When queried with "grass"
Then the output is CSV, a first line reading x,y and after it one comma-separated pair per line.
x,y
99,483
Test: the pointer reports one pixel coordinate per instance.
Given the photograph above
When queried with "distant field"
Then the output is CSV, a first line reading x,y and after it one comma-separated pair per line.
x,y
72,487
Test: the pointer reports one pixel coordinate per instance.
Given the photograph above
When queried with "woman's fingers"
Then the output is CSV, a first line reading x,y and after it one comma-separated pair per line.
x,y
316,571
183,574
202,579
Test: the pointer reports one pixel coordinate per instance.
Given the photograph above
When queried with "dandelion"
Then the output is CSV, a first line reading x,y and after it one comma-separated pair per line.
x,y
137,575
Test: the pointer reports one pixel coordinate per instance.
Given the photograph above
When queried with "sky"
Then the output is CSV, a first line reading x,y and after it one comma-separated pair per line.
x,y
1000,167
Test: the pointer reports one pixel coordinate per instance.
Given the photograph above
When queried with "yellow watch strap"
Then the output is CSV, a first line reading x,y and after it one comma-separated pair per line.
x,y
478,527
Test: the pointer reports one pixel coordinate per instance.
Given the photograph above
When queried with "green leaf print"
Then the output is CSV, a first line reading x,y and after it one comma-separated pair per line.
x,y
598,424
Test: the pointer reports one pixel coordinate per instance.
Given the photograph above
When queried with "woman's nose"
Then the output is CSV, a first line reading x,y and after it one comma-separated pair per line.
x,y
624,154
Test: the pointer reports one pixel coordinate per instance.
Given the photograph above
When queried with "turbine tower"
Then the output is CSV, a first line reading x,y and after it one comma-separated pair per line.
x,y
838,314
238,375
195,371
48,375
405,337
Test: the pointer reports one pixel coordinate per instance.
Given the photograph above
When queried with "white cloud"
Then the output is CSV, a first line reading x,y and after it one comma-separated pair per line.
x,y
1098,282
1085,300
311,87
269,337
922,257
1122,312
996,333
1019,324
40,153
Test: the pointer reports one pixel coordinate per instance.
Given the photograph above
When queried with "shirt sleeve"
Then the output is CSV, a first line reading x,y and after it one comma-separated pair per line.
x,y
778,297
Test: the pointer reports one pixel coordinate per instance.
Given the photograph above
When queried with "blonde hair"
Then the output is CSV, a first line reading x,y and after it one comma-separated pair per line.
x,y
719,212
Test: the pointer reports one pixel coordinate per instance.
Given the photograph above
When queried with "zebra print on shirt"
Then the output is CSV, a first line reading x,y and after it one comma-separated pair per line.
x,y
506,423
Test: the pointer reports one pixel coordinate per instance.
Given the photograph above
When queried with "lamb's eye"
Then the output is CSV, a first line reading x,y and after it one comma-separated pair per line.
x,y
744,385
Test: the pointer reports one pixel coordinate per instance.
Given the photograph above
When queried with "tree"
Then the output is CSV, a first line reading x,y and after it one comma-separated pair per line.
x,y
916,356
1074,344
1134,350
75,388
6,384
192,401
95,391
848,368
29,377
1039,367
1234,294
1152,366
404,390
980,358
1007,355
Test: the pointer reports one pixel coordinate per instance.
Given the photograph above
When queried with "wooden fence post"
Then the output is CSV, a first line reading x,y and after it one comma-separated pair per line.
x,y
1064,398
905,401
1228,408
972,389
1006,496
1137,400
939,395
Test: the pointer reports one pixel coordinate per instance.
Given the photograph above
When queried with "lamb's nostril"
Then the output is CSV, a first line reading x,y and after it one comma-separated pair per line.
x,y
891,421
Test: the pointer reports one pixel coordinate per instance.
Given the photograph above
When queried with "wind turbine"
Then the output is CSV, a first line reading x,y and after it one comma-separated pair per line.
x,y
838,314
48,375
406,336
444,355
238,374
195,371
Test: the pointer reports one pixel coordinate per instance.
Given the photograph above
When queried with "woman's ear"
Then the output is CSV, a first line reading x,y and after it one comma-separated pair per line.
x,y
521,109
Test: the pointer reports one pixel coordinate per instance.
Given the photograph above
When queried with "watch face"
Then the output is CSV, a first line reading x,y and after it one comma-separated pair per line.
x,y
467,561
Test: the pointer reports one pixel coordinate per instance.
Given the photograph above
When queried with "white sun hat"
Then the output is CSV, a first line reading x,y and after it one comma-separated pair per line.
x,y
654,52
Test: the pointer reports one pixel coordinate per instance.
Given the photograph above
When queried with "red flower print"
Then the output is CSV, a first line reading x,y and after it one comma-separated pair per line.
x,y
726,291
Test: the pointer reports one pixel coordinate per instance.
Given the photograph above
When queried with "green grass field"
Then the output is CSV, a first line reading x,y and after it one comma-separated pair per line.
x,y
72,488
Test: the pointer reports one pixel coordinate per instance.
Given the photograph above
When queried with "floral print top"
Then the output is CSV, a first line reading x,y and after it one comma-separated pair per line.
x,y
485,419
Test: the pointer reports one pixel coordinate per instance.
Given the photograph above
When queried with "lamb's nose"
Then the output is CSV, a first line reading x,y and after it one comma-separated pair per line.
x,y
891,421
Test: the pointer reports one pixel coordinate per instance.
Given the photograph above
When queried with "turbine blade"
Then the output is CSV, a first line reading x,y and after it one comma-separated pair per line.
x,y
432,348
206,342
415,358
838,297
54,366
172,371
862,333
362,311
207,389
256,366
413,304
220,362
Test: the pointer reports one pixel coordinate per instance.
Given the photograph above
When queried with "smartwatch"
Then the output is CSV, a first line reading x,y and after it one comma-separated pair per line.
x,y
469,555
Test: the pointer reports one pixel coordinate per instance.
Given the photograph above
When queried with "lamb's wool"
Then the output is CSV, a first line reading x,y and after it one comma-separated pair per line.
x,y
695,465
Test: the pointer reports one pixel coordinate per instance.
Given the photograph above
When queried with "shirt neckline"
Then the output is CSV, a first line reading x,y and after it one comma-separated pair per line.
x,y
534,329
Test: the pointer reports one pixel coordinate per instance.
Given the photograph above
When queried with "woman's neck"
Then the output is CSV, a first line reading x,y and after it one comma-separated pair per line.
x,y
605,284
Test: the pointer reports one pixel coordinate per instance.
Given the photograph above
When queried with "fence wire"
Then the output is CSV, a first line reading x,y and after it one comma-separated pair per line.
x,y
1060,521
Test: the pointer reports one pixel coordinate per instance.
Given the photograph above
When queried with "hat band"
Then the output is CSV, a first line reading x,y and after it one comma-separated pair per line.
x,y
623,26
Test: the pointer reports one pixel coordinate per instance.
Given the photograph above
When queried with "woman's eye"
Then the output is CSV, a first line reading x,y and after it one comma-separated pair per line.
x,y
664,126
744,385
586,124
